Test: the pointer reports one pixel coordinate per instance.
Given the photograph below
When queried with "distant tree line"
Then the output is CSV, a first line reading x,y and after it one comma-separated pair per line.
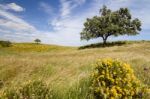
x,y
5,43
8,43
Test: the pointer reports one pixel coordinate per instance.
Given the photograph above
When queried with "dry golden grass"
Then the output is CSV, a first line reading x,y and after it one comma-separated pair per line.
x,y
65,66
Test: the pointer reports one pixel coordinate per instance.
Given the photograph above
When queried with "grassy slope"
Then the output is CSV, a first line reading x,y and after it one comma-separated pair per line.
x,y
66,66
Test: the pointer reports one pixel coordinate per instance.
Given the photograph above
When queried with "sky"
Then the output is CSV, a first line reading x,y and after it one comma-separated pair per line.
x,y
61,21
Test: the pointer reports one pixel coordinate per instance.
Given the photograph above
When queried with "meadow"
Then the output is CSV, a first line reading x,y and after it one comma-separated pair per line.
x,y
67,69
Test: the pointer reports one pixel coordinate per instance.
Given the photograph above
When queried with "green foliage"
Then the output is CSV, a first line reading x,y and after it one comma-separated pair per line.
x,y
30,90
5,43
37,41
115,80
110,23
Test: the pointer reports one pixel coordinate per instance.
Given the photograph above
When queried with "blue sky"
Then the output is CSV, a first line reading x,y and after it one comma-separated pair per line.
x,y
61,21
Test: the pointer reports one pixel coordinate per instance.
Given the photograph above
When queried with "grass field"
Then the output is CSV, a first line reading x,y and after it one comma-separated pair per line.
x,y
67,68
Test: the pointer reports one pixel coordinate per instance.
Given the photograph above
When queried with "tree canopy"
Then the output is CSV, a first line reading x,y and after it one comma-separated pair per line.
x,y
37,41
110,23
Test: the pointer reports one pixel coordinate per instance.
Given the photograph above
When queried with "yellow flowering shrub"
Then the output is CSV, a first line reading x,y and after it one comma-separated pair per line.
x,y
29,90
112,79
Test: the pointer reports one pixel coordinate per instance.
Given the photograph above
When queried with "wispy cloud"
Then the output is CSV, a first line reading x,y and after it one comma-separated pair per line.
x,y
69,25
48,9
12,6
12,27
65,8
80,2
10,21
68,5
63,20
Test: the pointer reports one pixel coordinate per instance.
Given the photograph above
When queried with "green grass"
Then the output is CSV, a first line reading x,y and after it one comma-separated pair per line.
x,y
67,68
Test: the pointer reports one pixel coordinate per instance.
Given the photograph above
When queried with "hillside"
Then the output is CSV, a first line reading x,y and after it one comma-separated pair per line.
x,y
65,67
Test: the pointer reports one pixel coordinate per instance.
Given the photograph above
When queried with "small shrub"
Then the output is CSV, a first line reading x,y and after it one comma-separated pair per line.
x,y
30,90
5,43
115,80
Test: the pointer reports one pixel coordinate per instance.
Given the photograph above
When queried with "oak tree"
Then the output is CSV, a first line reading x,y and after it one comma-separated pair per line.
x,y
37,41
110,23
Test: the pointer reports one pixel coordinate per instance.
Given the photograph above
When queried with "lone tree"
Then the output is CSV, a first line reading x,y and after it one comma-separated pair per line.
x,y
110,23
37,41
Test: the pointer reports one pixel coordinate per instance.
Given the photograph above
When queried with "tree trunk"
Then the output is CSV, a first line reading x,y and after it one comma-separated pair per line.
x,y
104,41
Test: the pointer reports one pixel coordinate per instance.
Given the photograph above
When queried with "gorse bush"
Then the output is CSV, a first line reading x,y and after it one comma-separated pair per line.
x,y
5,43
115,80
30,90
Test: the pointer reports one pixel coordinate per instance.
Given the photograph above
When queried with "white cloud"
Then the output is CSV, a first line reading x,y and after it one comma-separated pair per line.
x,y
12,6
